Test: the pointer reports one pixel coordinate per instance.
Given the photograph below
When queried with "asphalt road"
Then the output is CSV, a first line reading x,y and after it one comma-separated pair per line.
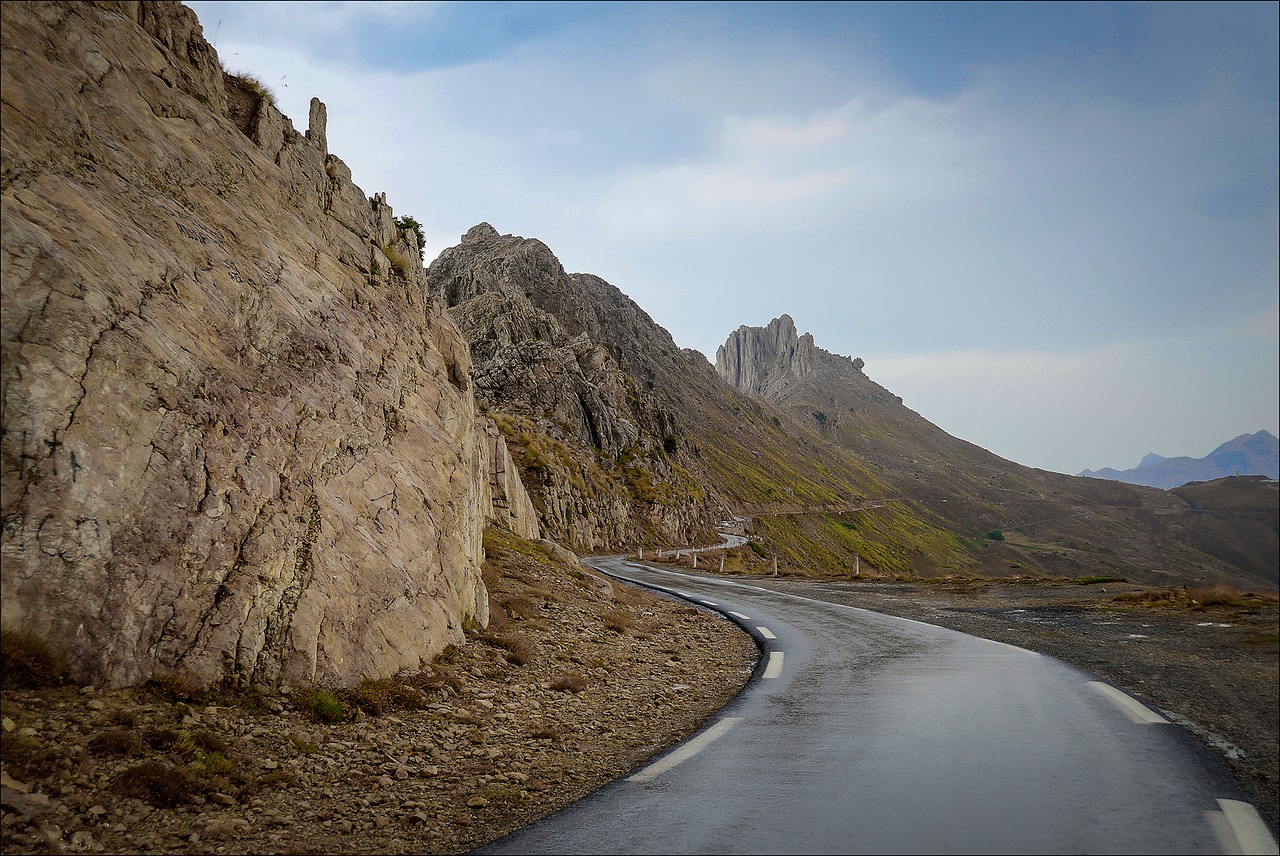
x,y
867,733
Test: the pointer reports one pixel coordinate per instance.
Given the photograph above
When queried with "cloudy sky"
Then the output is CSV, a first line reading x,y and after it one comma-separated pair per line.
x,y
1051,228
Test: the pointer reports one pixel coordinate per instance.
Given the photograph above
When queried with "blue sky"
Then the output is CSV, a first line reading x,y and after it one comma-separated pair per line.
x,y
1051,228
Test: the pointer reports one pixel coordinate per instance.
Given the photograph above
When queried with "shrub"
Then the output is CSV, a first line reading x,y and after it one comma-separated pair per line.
x,y
173,687
24,756
398,260
215,762
117,741
618,621
518,650
379,696
669,443
304,746
519,607
995,535
409,224
570,682
325,706
160,784
28,663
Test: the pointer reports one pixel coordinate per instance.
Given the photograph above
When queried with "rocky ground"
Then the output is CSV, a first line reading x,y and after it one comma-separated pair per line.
x,y
576,681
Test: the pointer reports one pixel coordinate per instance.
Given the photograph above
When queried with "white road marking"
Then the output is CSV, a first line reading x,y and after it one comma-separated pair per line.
x,y
774,669
1244,832
687,751
766,632
740,615
708,602
1132,708
683,594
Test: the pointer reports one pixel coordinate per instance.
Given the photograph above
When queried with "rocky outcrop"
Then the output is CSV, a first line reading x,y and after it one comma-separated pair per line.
x,y
765,361
238,436
598,452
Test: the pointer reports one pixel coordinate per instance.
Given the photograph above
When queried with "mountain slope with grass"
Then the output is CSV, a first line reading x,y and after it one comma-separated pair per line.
x,y
624,439
1019,519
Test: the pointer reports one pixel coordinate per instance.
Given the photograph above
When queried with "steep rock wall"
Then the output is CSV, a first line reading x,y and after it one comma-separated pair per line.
x,y
238,436
598,451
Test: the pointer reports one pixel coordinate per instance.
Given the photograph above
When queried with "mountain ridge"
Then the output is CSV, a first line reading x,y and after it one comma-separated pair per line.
x,y
1243,455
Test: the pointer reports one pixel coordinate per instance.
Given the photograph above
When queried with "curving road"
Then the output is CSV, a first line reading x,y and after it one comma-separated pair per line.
x,y
866,733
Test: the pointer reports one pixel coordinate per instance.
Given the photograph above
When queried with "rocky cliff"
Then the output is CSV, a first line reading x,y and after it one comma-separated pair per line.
x,y
239,438
600,454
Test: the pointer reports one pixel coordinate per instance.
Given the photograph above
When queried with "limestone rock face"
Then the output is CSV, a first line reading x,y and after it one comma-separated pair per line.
x,y
765,361
598,452
239,438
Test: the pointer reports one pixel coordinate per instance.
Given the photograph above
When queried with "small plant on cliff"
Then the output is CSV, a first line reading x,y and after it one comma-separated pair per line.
x,y
398,260
409,224
254,85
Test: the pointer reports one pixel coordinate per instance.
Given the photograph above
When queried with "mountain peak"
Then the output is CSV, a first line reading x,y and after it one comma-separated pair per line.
x,y
1246,454
764,361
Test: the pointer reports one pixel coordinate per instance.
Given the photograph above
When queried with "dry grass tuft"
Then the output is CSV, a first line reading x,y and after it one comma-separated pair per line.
x,y
570,682
28,663
160,784
116,741
1194,599
618,621
518,650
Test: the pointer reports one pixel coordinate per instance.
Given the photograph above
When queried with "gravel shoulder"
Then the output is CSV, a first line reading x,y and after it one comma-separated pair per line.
x,y
577,681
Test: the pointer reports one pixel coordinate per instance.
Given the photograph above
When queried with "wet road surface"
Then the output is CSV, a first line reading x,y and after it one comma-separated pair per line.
x,y
866,733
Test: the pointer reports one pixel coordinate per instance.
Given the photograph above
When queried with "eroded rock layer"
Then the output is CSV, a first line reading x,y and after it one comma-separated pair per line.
x,y
238,436
562,361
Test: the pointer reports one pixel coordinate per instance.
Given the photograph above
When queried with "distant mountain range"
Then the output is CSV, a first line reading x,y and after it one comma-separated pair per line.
x,y
1247,455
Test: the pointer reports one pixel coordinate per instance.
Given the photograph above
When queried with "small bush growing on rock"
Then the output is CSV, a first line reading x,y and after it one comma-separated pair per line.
x,y
215,762
325,706
618,621
123,717
116,741
398,260
160,738
570,683
256,86
25,756
174,688
306,747
160,784
518,650
28,663
206,741
389,694
409,224
519,607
